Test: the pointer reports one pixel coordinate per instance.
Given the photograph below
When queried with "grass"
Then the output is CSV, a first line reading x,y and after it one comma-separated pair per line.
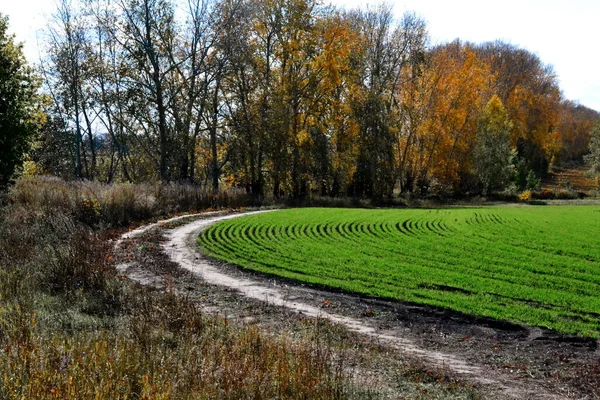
x,y
531,265
71,328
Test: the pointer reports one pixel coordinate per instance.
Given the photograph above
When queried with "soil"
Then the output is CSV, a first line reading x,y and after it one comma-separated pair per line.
x,y
501,360
571,178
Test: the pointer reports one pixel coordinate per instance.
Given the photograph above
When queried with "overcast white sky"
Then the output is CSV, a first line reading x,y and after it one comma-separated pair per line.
x,y
562,32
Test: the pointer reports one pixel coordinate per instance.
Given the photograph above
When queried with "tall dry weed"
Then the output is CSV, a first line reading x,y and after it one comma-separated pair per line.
x,y
70,328
117,205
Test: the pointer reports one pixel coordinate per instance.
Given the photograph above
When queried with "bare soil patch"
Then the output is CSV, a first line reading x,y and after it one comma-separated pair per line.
x,y
574,178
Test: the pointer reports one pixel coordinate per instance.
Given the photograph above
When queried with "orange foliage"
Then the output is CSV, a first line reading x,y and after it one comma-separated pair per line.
x,y
459,87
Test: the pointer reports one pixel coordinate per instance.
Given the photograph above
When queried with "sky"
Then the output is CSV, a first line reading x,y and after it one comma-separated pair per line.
x,y
562,33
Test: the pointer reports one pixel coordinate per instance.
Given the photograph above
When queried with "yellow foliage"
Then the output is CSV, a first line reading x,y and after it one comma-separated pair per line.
x,y
31,168
304,138
455,86
525,196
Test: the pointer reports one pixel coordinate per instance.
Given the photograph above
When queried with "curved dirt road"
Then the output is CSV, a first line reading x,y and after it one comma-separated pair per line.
x,y
182,248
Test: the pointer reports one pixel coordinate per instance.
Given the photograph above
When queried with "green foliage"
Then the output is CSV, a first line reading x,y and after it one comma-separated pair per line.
x,y
20,113
493,153
53,148
523,177
593,158
526,265
532,182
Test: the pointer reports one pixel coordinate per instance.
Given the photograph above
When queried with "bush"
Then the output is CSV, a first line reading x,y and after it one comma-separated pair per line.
x,y
525,196
543,194
533,182
566,195
54,252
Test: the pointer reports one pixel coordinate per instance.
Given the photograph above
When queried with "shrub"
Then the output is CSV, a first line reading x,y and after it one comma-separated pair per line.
x,y
54,251
566,194
543,194
117,205
525,196
533,182
89,211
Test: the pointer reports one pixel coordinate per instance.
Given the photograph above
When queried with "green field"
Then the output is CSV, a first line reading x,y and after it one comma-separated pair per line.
x,y
534,265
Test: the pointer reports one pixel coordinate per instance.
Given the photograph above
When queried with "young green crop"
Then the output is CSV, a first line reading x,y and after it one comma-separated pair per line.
x,y
533,265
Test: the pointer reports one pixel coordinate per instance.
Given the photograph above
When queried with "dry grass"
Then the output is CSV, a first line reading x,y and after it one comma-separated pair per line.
x,y
568,183
71,328
167,350
116,205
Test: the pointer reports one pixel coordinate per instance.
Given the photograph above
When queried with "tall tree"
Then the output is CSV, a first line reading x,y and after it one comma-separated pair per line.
x,y
66,74
454,87
593,158
245,103
529,90
147,32
388,49
493,152
20,112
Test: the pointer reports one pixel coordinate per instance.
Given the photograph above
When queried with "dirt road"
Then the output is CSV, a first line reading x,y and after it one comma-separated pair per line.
x,y
503,358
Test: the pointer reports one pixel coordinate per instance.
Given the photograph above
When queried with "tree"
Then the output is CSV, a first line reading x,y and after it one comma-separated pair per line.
x,y
493,153
389,49
52,150
66,73
334,130
242,82
576,123
20,112
529,90
454,85
148,30
593,158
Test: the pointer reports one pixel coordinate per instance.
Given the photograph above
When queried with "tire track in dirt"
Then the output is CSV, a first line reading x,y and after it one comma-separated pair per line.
x,y
182,248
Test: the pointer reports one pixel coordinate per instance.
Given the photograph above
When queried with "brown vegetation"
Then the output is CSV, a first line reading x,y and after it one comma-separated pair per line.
x,y
71,328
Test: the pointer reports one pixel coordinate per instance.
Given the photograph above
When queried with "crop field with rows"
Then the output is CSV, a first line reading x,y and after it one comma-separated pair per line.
x,y
538,266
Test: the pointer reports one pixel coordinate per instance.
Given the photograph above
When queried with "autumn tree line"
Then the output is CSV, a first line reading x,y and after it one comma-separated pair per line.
x,y
292,98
